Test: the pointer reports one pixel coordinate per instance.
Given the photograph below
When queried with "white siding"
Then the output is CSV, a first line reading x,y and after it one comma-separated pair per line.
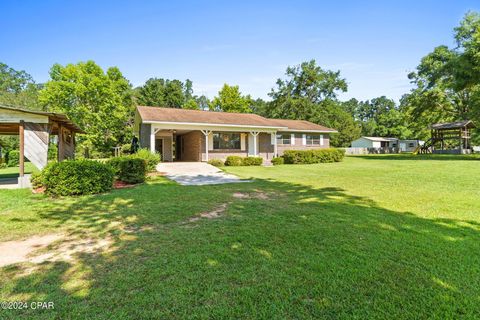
x,y
364,143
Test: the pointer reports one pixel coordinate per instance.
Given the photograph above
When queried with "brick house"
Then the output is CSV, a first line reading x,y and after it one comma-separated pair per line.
x,y
193,135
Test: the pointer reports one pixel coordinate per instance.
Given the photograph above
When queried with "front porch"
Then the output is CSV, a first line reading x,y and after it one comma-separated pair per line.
x,y
204,144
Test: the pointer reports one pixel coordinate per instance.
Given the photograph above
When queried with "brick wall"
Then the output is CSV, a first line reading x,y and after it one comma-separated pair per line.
x,y
299,144
192,142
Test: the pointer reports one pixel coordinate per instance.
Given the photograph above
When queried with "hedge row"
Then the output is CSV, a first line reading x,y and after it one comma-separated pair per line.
x,y
236,161
313,156
129,169
75,177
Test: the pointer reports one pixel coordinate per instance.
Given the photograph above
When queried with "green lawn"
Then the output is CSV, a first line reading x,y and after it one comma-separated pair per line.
x,y
12,172
372,237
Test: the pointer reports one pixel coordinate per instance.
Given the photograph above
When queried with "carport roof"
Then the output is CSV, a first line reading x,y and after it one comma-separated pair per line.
x,y
52,117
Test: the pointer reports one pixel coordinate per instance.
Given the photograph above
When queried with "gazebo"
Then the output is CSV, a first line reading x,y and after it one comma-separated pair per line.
x,y
450,138
34,129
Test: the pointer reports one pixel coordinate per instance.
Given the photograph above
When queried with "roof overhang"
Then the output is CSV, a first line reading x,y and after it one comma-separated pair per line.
x,y
307,131
212,126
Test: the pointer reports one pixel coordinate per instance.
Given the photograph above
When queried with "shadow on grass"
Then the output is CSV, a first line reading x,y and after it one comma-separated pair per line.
x,y
409,156
300,253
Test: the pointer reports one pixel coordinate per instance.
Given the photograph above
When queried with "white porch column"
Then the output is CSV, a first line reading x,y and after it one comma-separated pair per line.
x,y
152,139
206,133
153,132
274,138
254,135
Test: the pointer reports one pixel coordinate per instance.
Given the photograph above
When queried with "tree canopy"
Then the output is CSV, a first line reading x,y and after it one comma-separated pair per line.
x,y
447,80
99,102
310,93
17,88
230,99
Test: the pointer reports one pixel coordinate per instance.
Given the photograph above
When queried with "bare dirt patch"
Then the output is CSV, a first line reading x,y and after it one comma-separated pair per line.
x,y
256,194
51,247
215,213
19,250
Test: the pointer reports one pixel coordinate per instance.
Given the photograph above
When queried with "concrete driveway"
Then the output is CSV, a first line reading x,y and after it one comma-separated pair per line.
x,y
196,173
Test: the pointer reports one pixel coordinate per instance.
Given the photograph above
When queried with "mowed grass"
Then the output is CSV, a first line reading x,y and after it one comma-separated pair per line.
x,y
372,237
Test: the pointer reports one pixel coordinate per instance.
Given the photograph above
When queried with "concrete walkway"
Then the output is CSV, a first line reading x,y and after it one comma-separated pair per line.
x,y
196,173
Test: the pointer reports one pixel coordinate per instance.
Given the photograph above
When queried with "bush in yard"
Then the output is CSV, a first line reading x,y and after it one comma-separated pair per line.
x,y
13,158
252,161
277,161
126,149
313,156
216,162
76,177
233,161
129,169
151,159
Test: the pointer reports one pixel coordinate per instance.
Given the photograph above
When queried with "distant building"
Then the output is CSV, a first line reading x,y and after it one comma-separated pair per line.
x,y
384,145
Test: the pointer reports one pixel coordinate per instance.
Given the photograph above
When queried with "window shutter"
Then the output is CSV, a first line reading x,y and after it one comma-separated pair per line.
x,y
210,141
304,139
321,139
292,139
242,141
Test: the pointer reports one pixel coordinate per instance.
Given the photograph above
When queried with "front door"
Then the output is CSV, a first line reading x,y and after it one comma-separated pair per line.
x,y
159,146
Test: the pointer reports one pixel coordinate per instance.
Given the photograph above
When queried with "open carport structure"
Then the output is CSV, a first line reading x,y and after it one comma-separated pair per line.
x,y
34,129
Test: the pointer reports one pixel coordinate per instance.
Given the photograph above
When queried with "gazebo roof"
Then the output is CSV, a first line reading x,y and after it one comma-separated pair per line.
x,y
453,125
52,117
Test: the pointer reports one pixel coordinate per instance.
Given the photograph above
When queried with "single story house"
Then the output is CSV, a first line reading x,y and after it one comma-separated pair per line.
x,y
194,135
387,143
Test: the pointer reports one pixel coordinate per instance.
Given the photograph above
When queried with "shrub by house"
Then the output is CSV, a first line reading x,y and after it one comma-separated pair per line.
x,y
75,177
313,156
129,169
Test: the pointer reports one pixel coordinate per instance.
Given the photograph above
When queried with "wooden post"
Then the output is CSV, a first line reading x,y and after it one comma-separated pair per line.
x,y
60,144
21,162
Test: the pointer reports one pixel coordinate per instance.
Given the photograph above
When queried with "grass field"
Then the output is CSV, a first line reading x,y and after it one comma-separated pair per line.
x,y
372,237
12,172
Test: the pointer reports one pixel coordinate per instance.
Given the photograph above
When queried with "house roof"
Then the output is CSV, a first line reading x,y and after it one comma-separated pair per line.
x,y
52,116
453,125
380,138
301,125
174,115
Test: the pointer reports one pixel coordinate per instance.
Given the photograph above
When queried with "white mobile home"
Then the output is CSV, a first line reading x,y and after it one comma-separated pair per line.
x,y
383,145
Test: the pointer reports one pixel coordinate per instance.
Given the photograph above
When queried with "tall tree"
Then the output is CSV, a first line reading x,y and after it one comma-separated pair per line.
x,y
379,117
300,94
99,102
230,99
447,80
165,93
310,93
17,88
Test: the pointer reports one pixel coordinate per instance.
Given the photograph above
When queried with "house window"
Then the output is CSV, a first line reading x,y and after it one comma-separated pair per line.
x,y
411,145
284,138
226,141
312,139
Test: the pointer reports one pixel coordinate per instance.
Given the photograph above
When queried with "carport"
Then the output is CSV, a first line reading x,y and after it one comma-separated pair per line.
x,y
34,129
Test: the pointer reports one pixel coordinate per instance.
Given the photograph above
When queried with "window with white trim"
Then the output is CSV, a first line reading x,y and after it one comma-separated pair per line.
x,y
226,141
312,139
284,138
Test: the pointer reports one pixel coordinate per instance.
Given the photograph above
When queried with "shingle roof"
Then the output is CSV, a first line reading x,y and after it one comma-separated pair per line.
x,y
301,125
453,125
158,114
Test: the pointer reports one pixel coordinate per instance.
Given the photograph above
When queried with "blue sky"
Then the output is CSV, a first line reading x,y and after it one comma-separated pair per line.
x,y
374,44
